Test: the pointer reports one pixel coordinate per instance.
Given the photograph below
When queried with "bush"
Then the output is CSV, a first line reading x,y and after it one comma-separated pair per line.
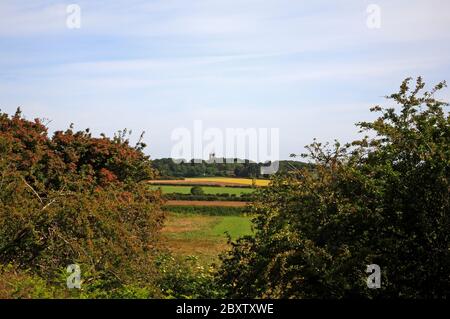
x,y
24,285
197,190
185,278
381,200
112,230
76,199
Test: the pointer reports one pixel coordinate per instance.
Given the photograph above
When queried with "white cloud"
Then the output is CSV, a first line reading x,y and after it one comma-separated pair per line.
x,y
154,65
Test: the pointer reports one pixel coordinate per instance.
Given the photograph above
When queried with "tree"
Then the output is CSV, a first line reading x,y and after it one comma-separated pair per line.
x,y
197,190
381,200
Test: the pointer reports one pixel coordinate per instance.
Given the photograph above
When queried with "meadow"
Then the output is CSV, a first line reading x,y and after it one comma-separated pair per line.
x,y
203,235
201,228
229,180
212,190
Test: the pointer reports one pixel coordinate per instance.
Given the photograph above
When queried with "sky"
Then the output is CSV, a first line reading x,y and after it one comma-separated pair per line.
x,y
312,69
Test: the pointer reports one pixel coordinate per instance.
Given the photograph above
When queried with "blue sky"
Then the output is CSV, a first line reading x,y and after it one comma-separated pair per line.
x,y
309,68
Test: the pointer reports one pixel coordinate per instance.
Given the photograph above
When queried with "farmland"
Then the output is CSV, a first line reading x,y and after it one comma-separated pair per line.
x,y
214,181
228,180
212,190
203,236
199,227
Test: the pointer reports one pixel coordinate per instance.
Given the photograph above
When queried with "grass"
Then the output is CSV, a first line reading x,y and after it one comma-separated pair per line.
x,y
168,189
234,226
203,235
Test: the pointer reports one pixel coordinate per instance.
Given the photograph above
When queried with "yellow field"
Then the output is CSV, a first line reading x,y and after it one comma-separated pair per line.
x,y
212,181
229,180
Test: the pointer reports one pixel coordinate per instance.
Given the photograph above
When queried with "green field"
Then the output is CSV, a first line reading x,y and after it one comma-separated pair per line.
x,y
206,210
212,190
202,235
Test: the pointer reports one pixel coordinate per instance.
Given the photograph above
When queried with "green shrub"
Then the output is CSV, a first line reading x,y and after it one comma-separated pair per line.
x,y
383,200
197,190
186,278
24,284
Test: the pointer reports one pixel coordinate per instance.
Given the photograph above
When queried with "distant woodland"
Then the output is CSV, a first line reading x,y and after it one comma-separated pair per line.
x,y
168,168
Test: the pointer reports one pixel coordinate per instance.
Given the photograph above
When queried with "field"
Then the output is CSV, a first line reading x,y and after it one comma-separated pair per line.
x,y
199,227
203,236
214,181
169,189
229,180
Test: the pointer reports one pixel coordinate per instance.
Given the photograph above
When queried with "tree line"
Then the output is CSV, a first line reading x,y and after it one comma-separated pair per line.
x,y
169,168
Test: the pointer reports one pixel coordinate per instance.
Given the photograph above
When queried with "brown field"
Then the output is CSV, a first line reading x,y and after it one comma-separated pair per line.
x,y
205,203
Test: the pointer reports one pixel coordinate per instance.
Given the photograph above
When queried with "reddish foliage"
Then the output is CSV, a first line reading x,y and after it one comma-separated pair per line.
x,y
69,155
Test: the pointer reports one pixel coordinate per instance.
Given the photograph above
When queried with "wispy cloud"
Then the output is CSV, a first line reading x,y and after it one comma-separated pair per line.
x,y
155,64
